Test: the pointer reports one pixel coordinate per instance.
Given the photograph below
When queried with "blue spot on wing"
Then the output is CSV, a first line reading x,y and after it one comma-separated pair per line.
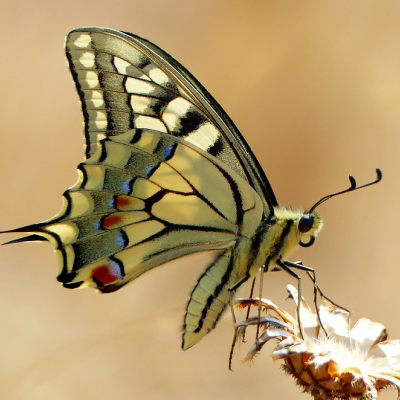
x,y
111,202
122,239
169,151
115,268
127,185
151,169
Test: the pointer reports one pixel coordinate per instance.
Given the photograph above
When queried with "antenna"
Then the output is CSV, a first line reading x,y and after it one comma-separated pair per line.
x,y
353,186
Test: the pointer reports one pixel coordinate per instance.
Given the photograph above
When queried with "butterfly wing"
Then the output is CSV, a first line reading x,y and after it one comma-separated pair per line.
x,y
125,82
167,174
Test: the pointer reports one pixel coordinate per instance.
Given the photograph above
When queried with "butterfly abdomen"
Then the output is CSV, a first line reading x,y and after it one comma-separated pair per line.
x,y
208,299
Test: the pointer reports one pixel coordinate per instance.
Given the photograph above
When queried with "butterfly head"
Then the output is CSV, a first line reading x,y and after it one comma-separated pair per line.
x,y
298,226
309,225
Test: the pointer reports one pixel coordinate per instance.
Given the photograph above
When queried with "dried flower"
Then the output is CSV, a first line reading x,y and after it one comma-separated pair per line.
x,y
329,362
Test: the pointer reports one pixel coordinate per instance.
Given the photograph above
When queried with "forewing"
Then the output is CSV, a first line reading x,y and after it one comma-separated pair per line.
x,y
126,82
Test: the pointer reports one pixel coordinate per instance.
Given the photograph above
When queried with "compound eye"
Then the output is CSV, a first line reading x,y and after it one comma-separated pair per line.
x,y
305,223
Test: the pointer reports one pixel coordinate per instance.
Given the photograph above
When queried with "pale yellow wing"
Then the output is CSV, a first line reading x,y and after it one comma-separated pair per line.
x,y
140,202
166,174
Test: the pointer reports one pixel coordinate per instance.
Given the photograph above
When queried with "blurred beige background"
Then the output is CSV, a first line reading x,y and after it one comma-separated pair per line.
x,y
315,88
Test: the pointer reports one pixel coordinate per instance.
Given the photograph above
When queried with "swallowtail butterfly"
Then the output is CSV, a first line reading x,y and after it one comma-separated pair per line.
x,y
166,174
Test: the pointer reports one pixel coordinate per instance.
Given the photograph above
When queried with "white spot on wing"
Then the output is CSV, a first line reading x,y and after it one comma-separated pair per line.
x,y
83,41
87,59
101,120
158,76
138,86
140,104
126,68
121,65
174,111
92,79
204,137
96,98
67,231
145,122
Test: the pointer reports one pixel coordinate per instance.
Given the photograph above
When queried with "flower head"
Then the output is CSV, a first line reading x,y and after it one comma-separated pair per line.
x,y
326,357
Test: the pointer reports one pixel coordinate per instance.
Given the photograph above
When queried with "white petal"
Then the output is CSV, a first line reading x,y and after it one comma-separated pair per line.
x,y
366,333
389,352
335,322
309,320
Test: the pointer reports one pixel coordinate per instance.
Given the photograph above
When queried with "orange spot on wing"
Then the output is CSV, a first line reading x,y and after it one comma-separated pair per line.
x,y
106,274
123,202
111,221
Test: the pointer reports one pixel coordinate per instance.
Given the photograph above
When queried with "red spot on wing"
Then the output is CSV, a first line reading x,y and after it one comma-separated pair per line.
x,y
106,274
122,202
111,221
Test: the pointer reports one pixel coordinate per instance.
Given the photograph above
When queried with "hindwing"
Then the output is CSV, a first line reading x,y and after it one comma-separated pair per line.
x,y
140,202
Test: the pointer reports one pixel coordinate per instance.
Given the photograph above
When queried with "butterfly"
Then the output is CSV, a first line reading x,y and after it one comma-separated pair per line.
x,y
166,174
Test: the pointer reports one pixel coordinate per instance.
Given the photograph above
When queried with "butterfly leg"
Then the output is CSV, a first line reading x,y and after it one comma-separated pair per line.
x,y
263,269
286,265
311,273
317,289
312,276
231,291
235,336
253,284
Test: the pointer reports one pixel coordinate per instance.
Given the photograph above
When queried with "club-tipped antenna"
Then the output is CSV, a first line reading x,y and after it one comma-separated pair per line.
x,y
353,186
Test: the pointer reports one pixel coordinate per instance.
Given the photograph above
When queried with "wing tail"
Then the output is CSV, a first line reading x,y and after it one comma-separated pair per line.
x,y
30,238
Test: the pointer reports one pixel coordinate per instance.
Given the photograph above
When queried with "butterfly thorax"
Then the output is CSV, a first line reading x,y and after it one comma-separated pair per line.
x,y
280,236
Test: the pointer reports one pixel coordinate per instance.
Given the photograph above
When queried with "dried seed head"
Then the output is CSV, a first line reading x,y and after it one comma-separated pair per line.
x,y
346,363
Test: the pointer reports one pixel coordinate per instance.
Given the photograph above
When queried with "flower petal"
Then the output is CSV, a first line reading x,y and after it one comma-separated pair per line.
x,y
309,321
335,322
367,333
388,352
